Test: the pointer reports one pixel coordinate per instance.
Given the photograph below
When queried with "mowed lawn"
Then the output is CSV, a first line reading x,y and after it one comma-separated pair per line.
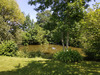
x,y
40,66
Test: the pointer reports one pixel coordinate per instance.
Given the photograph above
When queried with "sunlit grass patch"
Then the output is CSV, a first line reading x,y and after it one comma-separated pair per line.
x,y
40,66
13,63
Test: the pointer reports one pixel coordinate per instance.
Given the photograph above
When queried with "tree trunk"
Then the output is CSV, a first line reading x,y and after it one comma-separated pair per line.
x,y
67,41
63,42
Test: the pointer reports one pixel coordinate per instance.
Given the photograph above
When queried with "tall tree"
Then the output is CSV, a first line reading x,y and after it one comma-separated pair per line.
x,y
28,23
35,35
67,12
11,14
10,11
4,30
90,33
44,20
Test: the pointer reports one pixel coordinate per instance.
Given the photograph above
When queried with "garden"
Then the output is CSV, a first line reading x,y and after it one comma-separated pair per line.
x,y
65,39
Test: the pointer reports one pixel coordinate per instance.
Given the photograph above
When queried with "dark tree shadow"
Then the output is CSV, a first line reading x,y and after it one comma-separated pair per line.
x,y
51,67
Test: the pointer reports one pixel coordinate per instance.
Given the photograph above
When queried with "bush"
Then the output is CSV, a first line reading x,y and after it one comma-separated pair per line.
x,y
31,54
93,49
22,53
68,56
92,54
8,48
47,55
28,54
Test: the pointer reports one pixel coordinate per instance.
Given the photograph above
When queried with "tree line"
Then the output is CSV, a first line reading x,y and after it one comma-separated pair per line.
x,y
67,23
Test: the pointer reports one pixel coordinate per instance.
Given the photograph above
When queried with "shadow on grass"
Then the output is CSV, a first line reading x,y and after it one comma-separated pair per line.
x,y
51,67
91,59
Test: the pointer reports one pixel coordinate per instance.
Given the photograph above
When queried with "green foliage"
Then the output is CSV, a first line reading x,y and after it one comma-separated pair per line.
x,y
27,54
27,27
28,24
90,34
31,54
4,30
25,38
59,32
44,20
38,35
65,14
35,35
53,4
93,51
75,36
10,11
11,18
8,48
47,56
22,54
68,56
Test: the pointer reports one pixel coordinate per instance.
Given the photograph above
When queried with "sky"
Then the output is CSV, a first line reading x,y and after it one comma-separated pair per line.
x,y
28,9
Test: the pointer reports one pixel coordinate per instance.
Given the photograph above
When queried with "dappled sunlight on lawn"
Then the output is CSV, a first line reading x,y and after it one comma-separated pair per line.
x,y
52,67
13,63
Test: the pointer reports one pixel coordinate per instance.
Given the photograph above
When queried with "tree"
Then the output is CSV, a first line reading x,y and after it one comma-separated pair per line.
x,y
33,32
10,11
28,23
90,33
35,35
66,13
4,30
44,20
13,17
38,35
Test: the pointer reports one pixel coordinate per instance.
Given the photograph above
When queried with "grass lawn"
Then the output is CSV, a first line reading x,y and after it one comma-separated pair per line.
x,y
40,66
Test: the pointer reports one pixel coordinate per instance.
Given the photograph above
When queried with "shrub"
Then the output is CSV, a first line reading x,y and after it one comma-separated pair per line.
x,y
68,56
47,55
93,49
8,48
28,54
31,54
92,54
22,53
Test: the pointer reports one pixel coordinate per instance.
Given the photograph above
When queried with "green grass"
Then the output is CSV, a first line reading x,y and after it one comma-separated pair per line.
x,y
40,66
13,63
